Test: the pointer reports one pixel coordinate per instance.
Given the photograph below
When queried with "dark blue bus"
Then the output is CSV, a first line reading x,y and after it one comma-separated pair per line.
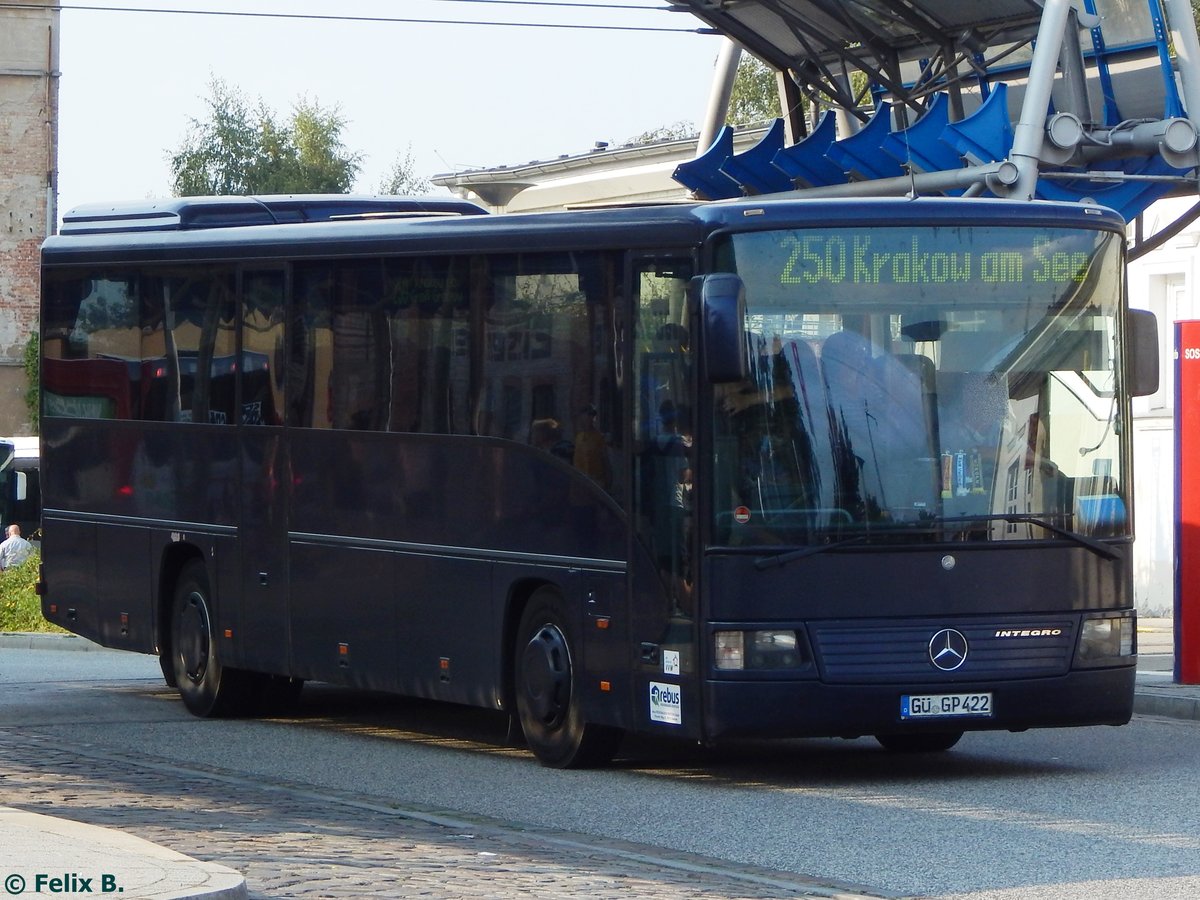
x,y
767,467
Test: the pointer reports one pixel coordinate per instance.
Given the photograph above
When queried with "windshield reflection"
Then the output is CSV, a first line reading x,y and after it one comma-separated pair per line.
x,y
923,411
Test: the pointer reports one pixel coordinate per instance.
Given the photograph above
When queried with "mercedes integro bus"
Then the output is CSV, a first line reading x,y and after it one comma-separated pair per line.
x,y
768,467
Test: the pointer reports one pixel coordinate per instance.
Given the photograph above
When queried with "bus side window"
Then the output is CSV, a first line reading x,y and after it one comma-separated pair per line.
x,y
90,349
187,346
663,426
262,346
549,363
422,380
307,406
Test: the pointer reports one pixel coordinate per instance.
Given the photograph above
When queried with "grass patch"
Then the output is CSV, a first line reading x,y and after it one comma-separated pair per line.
x,y
20,606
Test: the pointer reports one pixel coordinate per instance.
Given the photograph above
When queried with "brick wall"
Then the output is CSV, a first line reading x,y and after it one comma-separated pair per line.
x,y
28,152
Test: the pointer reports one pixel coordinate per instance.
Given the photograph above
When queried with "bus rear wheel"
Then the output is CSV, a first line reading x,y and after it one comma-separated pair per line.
x,y
547,695
919,743
206,687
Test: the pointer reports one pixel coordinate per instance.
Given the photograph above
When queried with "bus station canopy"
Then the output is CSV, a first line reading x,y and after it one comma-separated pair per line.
x,y
793,34
1059,99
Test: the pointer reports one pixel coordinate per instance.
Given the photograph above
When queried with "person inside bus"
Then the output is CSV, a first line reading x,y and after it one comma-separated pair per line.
x,y
591,450
670,479
547,492
547,435
14,549
590,458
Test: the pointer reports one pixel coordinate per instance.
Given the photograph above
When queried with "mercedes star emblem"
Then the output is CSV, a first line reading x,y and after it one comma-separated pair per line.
x,y
948,649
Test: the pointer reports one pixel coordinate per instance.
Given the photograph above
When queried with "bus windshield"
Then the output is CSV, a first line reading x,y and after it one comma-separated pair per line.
x,y
922,384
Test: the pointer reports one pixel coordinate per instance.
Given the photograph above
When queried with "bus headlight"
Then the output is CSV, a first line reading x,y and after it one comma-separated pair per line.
x,y
1106,641
757,650
730,650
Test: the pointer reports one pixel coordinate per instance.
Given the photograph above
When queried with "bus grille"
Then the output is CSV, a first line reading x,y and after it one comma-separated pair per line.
x,y
861,652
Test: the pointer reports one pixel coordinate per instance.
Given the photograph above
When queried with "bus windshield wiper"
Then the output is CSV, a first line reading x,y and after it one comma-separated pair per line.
x,y
1097,547
782,559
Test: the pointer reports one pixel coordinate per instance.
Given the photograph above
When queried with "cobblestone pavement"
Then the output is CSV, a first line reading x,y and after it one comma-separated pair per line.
x,y
291,840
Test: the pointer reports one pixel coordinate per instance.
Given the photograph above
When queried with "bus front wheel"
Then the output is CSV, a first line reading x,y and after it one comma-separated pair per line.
x,y
547,696
206,687
919,743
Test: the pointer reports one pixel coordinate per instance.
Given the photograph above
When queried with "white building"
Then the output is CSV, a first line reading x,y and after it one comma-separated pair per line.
x,y
631,174
1164,282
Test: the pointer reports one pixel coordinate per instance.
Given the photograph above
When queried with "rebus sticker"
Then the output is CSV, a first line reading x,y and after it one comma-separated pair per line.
x,y
666,703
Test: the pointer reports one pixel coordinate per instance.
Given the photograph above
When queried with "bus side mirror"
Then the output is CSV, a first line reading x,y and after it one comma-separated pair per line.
x,y
1142,353
20,486
723,327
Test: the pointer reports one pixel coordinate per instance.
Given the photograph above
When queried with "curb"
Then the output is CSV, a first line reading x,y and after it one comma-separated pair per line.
x,y
36,640
1166,702
38,845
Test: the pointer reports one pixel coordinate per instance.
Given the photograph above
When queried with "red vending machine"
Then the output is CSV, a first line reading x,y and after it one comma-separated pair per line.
x,y
1187,502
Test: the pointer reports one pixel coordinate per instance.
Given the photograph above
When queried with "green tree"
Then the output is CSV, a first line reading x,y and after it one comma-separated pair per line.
x,y
33,390
677,131
243,149
755,95
754,99
402,178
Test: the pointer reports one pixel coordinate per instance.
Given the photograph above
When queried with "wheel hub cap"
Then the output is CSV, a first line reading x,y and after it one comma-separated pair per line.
x,y
193,643
547,676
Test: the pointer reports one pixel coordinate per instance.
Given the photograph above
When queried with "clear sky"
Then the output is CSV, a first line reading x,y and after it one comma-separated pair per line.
x,y
460,95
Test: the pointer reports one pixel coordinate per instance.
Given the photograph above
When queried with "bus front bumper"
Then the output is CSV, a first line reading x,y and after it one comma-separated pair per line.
x,y
782,709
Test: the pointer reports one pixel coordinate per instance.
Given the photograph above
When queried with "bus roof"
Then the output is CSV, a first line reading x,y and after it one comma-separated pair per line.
x,y
189,213
630,227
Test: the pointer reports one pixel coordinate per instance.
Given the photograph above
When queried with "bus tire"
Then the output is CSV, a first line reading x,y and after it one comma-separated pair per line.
x,y
167,664
937,742
206,687
547,695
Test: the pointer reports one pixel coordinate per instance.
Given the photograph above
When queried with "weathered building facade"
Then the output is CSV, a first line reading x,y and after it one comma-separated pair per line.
x,y
29,35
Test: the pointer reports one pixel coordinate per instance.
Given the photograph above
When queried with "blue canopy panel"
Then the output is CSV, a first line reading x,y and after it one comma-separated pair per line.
x,y
859,155
806,162
931,144
986,135
753,169
919,147
703,176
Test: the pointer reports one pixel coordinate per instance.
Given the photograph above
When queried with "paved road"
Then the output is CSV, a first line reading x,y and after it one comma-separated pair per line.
x,y
409,799
290,840
101,741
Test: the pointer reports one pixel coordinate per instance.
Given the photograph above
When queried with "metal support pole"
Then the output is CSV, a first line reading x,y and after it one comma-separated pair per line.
x,y
718,98
1031,127
1074,72
791,102
969,178
1182,22
847,123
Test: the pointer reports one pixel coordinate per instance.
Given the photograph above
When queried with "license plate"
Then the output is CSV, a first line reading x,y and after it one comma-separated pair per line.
x,y
923,706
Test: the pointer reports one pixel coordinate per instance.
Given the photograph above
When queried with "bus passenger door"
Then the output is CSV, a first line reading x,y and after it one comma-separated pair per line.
x,y
662,585
266,474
